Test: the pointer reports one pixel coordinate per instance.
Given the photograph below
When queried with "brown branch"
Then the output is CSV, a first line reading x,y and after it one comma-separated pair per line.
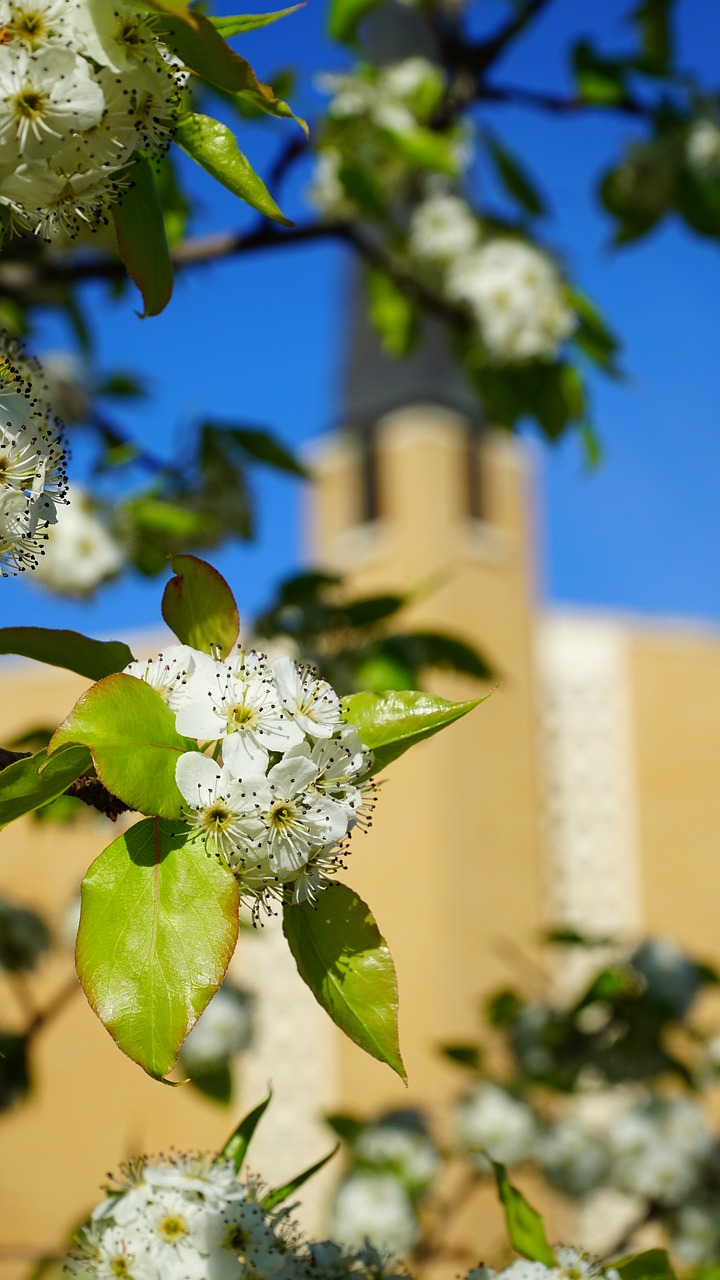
x,y
90,790
487,52
556,104
52,1008
20,278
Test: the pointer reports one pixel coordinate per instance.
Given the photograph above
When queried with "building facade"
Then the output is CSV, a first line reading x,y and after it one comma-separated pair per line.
x,y
582,792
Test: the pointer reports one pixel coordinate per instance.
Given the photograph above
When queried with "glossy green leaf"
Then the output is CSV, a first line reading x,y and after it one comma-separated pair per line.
x,y
135,747
524,1224
67,649
236,1147
344,959
515,178
280,1194
34,781
141,239
255,445
653,1264
176,8
390,723
199,607
242,22
213,146
158,926
344,16
204,51
392,314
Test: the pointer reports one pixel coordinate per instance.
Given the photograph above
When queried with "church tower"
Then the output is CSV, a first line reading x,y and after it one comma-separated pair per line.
x,y
416,495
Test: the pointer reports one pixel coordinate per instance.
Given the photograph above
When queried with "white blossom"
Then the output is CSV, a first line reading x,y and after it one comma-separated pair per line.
x,y
169,672
84,87
516,297
702,147
573,1157
80,551
227,812
239,703
312,703
279,777
33,482
657,1152
489,1117
408,1152
374,1207
442,229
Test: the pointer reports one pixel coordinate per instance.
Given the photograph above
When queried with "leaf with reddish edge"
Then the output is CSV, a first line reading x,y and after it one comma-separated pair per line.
x,y
199,607
158,927
135,747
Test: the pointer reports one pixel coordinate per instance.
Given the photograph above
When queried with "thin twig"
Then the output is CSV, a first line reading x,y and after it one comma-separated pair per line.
x,y
487,52
90,790
52,1008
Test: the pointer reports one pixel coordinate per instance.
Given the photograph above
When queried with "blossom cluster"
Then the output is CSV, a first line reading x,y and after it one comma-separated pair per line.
x,y
188,1217
372,117
81,551
33,482
513,291
84,86
654,1149
287,777
571,1264
394,1165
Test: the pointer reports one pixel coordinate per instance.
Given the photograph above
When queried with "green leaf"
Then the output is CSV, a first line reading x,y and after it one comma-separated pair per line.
x,y
204,51
344,16
67,649
390,723
515,178
259,446
213,146
141,239
279,1194
236,1147
28,784
135,747
392,314
242,22
177,8
653,1264
599,80
199,607
158,926
463,1055
653,18
435,649
344,959
592,334
425,148
524,1224
213,1080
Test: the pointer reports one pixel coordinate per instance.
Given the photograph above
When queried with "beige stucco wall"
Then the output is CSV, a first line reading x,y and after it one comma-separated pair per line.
x,y
450,867
676,694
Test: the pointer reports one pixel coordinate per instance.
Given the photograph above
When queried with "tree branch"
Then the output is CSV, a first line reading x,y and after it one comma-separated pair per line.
x,y
487,52
90,790
556,104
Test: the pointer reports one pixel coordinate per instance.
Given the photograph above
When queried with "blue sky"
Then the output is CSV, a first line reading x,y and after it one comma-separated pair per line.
x,y
259,341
